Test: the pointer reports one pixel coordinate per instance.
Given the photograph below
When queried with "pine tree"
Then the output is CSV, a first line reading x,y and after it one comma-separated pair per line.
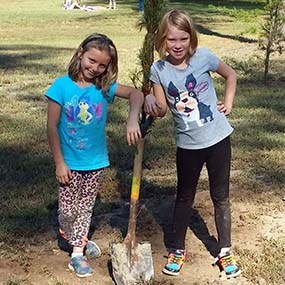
x,y
272,36
153,11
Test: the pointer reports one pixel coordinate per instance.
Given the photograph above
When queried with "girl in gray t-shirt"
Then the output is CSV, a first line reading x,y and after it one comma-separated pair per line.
x,y
182,82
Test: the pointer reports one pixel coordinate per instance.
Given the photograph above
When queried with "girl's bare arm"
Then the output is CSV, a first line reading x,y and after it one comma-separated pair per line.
x,y
230,89
63,173
155,104
136,100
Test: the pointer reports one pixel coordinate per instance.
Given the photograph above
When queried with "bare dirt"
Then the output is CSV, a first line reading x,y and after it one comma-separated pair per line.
x,y
254,216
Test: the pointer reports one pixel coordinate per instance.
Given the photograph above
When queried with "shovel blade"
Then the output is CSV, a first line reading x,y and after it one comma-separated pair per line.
x,y
141,271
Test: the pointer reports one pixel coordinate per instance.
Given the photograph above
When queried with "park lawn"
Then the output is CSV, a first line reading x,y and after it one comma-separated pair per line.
x,y
37,39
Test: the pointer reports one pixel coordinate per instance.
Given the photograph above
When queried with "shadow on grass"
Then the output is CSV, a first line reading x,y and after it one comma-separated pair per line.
x,y
155,211
208,32
195,8
247,5
160,204
23,57
26,187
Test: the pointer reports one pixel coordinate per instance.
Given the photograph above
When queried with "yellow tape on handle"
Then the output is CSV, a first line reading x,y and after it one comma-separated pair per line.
x,y
135,191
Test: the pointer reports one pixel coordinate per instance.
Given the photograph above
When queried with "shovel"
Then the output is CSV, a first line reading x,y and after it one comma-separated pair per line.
x,y
131,261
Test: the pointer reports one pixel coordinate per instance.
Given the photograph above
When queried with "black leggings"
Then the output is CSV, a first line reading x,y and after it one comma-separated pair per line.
x,y
189,165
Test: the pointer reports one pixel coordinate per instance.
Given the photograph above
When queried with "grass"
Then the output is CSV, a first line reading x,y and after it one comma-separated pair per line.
x,y
265,265
37,40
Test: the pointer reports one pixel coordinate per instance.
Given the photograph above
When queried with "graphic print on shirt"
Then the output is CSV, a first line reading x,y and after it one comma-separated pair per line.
x,y
188,103
84,111
80,112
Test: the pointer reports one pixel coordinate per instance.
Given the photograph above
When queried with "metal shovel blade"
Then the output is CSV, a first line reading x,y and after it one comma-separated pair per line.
x,y
140,272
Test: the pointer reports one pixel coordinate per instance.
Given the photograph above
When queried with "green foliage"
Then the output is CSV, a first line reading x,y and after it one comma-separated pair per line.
x,y
239,14
250,30
250,68
272,35
153,11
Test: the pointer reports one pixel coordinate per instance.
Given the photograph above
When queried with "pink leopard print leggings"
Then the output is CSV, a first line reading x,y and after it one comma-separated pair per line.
x,y
75,205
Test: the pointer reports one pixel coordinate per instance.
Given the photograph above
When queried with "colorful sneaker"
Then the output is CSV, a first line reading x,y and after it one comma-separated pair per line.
x,y
176,259
227,264
92,249
80,266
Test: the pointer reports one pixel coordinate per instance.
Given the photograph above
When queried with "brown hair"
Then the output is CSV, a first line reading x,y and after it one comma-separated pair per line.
x,y
182,21
102,43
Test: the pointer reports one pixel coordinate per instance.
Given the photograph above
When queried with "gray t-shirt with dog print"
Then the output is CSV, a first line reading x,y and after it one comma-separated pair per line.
x,y
192,99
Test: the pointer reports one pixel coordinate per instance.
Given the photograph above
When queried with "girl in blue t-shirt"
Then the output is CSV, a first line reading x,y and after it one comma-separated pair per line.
x,y
181,81
77,113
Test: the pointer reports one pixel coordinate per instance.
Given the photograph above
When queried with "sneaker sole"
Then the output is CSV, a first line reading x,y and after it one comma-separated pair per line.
x,y
78,274
236,274
165,271
97,248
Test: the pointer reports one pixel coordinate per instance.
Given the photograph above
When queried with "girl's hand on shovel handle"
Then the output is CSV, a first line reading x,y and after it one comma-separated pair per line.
x,y
133,132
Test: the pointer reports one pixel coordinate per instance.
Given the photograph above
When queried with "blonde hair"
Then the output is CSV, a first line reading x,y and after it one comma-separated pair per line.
x,y
182,21
102,43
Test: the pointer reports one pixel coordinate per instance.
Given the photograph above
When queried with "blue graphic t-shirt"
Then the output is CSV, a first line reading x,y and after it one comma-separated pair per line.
x,y
82,123
192,99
